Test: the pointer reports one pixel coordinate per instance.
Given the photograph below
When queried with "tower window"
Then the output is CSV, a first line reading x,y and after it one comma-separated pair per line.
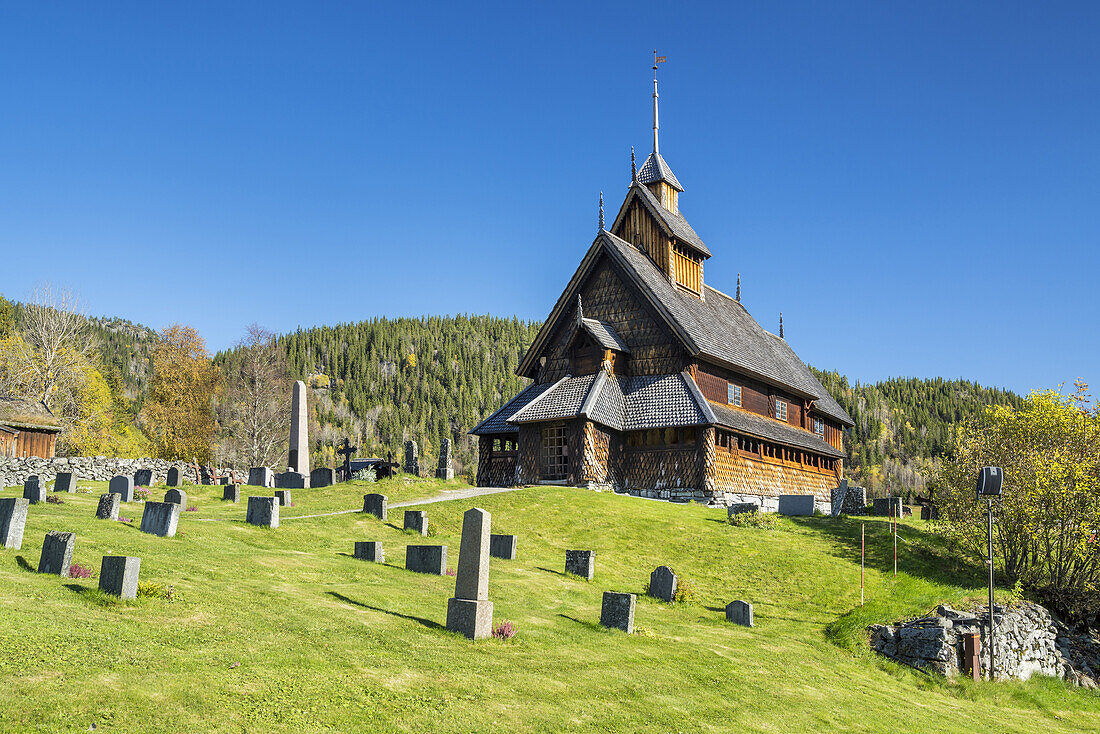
x,y
781,410
734,395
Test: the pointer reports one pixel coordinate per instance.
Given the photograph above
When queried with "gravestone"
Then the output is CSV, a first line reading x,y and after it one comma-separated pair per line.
x,y
261,476
143,478
122,486
617,611
283,496
662,583
740,508
739,612
175,479
263,511
65,482
426,559
226,480
416,520
231,493
929,512
299,431
503,546
796,504
160,518
118,575
370,550
470,611
412,458
13,519
33,491
445,470
57,553
886,507
837,497
176,497
322,476
291,480
581,563
375,504
108,506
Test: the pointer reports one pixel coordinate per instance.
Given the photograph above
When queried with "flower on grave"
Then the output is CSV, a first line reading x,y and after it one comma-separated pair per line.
x,y
504,630
76,571
192,508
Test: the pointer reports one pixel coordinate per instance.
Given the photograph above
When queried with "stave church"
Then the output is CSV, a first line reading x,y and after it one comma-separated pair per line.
x,y
649,381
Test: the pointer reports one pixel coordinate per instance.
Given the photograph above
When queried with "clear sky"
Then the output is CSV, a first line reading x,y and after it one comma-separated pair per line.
x,y
916,186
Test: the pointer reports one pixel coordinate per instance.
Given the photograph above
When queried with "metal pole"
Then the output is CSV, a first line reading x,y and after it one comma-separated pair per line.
x,y
992,666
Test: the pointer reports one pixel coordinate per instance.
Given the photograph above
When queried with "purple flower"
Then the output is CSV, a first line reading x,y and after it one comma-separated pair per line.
x,y
77,571
192,508
450,572
504,631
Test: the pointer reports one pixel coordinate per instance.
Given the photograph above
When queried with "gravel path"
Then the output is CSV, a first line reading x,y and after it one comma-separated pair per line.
x,y
455,494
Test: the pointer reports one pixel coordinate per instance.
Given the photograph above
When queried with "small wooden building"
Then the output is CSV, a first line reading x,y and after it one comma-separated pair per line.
x,y
647,380
27,428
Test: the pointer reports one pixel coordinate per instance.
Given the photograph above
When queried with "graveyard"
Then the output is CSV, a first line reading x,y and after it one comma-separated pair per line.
x,y
285,629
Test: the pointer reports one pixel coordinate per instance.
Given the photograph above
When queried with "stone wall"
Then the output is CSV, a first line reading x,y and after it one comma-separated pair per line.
x,y
1029,641
13,472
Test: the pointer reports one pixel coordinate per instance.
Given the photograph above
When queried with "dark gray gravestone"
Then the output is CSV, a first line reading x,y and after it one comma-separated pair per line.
x,y
13,518
445,469
886,506
143,478
412,458
416,520
261,476
929,512
176,497
160,518
739,612
370,550
122,486
263,511
232,493
65,482
57,553
470,611
291,480
741,508
283,496
617,611
375,504
662,583
503,546
322,476
226,480
796,504
581,563
33,491
426,559
108,506
118,575
175,479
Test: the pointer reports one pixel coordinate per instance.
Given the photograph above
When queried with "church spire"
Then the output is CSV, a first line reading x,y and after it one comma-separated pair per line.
x,y
601,211
656,60
633,166
739,287
781,325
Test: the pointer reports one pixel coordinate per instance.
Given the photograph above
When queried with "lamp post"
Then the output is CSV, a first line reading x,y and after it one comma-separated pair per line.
x,y
990,485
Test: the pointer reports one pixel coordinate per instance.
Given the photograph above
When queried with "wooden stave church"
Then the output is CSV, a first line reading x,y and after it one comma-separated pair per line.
x,y
648,381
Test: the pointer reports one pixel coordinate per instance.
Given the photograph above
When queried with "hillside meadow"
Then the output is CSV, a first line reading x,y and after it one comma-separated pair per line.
x,y
283,630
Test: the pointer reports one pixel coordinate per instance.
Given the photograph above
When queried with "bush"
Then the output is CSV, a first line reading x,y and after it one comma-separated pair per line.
x,y
154,590
366,475
754,519
685,592
504,631
76,571
53,499
141,493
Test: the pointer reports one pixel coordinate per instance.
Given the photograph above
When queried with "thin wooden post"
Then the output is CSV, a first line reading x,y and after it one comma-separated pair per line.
x,y
862,556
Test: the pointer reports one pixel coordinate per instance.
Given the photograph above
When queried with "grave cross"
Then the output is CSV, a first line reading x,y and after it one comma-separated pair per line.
x,y
347,451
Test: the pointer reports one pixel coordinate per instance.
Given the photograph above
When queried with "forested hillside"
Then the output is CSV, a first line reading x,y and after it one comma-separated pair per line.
x,y
903,425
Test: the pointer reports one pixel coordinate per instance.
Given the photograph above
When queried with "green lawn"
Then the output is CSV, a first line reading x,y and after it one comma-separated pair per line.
x,y
282,630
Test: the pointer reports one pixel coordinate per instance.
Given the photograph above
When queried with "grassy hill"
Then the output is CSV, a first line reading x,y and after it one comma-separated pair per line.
x,y
282,630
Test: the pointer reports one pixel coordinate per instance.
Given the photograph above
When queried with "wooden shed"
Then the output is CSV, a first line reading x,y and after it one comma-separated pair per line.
x,y
27,428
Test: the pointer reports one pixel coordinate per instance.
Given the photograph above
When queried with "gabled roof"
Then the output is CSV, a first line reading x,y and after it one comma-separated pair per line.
x,y
673,224
655,169
497,422
605,335
562,400
20,413
717,328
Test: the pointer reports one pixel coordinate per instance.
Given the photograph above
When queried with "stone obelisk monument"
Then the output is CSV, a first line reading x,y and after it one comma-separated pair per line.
x,y
470,611
299,438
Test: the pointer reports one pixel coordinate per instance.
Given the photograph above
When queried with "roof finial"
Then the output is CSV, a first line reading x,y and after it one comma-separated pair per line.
x,y
656,60
601,211
580,311
633,167
739,287
780,324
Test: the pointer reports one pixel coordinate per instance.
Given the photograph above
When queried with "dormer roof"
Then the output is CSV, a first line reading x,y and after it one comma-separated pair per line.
x,y
655,169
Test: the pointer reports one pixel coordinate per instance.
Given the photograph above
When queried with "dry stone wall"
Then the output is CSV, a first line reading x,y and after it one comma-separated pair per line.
x,y
86,468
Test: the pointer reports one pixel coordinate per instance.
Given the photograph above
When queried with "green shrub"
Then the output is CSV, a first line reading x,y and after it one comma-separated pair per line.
x,y
754,519
156,591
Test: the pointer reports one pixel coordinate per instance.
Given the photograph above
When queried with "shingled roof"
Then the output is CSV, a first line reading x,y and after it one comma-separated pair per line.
x,y
605,335
655,169
769,429
673,223
497,422
20,413
716,328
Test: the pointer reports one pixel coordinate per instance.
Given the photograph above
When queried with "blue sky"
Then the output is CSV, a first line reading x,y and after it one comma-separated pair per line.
x,y
916,186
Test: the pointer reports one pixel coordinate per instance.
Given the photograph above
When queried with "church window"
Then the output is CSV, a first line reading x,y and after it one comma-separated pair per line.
x,y
781,410
734,397
819,427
